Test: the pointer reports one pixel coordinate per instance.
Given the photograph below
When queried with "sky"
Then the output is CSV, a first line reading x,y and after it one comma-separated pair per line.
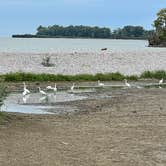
x,y
24,16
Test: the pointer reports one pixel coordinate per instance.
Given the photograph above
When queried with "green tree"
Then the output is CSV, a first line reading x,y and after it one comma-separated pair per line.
x,y
160,22
158,38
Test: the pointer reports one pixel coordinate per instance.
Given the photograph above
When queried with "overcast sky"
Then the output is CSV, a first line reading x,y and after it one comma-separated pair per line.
x,y
24,16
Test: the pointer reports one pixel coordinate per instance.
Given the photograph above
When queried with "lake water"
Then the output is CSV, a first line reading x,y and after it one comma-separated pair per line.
x,y
69,45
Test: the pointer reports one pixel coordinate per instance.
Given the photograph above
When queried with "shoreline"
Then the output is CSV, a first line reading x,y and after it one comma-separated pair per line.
x,y
72,63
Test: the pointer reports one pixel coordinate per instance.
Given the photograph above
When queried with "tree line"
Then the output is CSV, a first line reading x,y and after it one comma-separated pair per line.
x,y
127,32
131,32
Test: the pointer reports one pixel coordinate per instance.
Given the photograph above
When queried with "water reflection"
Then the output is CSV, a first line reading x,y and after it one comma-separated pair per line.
x,y
34,103
25,98
44,99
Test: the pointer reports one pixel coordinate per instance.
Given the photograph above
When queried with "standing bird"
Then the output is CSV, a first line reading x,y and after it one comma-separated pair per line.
x,y
72,87
127,84
26,91
161,81
42,92
55,88
100,84
25,98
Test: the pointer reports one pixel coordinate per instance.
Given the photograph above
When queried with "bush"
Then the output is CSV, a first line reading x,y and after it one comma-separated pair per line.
x,y
47,62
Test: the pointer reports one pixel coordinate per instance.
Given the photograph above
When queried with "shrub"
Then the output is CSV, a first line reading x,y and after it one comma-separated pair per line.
x,y
47,62
154,74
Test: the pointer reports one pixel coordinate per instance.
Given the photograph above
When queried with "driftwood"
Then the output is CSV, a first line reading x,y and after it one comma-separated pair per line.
x,y
103,49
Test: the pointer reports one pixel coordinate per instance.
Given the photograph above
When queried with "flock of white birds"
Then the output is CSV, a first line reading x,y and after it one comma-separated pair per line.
x,y
42,92
54,89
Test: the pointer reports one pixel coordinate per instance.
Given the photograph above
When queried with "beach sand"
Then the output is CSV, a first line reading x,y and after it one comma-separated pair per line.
x,y
125,62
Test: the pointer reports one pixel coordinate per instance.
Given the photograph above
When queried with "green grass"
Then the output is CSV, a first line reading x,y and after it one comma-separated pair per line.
x,y
3,117
20,76
17,77
3,94
154,74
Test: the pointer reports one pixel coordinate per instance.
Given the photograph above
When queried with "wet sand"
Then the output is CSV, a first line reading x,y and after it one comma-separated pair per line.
x,y
125,62
127,130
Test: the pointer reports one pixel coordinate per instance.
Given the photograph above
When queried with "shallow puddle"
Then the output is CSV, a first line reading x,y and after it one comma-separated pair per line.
x,y
35,103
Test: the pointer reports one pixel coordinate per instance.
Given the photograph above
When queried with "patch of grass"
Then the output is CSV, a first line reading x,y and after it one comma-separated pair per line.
x,y
3,94
154,74
3,117
20,76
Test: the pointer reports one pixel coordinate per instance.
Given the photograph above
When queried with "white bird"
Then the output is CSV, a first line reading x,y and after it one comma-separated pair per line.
x,y
127,84
26,91
25,98
55,88
161,81
42,92
100,84
72,87
49,87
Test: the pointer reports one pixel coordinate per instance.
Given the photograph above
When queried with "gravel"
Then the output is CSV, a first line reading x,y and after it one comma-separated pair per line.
x,y
125,62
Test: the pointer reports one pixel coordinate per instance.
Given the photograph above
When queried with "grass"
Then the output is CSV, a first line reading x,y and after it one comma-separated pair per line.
x,y
20,76
154,74
3,116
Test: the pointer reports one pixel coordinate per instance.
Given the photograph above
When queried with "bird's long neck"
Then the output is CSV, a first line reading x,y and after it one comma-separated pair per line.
x,y
24,85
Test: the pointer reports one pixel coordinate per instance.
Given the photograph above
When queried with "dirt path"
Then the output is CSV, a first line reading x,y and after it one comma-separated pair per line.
x,y
128,130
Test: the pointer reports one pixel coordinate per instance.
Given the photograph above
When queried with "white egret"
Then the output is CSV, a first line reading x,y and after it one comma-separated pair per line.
x,y
49,87
42,92
161,81
100,84
25,98
26,91
72,87
55,88
127,84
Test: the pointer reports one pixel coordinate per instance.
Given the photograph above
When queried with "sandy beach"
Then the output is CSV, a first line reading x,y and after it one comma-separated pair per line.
x,y
125,62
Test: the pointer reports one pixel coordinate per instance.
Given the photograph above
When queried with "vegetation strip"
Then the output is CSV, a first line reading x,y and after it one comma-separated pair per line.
x,y
3,93
57,31
20,76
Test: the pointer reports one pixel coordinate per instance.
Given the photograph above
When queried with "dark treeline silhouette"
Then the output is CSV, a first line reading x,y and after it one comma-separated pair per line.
x,y
131,32
127,32
74,31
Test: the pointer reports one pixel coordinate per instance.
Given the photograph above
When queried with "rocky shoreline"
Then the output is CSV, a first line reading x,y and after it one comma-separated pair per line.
x,y
125,62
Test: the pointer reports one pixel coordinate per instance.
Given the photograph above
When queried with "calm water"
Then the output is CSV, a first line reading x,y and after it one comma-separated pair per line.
x,y
38,104
65,45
